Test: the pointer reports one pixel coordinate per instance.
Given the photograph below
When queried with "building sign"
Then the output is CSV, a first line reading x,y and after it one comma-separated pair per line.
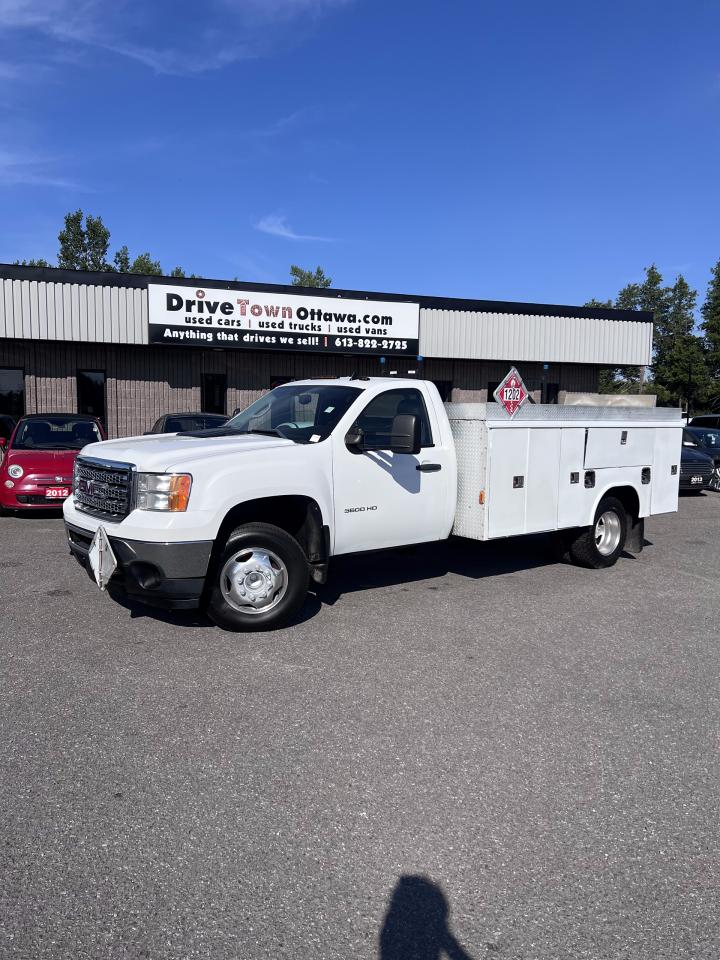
x,y
251,320
512,393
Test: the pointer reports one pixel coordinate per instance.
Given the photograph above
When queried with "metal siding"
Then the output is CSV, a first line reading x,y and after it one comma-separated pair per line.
x,y
42,311
25,330
76,313
72,321
106,314
99,314
91,317
34,307
86,313
7,323
525,338
144,303
140,334
83,313
52,320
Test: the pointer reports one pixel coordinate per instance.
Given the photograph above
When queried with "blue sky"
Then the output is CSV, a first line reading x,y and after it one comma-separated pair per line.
x,y
505,150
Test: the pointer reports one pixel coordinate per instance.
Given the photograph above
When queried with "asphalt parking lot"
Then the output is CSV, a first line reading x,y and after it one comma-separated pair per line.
x,y
466,748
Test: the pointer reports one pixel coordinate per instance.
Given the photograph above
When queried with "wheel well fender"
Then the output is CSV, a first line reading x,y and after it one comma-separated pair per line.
x,y
628,497
300,516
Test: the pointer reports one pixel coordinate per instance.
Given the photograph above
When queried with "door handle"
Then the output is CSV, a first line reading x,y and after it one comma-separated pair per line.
x,y
429,467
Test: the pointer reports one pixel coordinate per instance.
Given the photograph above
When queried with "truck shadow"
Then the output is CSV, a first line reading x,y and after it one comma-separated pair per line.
x,y
471,559
429,561
196,618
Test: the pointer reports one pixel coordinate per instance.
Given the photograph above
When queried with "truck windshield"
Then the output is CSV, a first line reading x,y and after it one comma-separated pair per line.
x,y
305,414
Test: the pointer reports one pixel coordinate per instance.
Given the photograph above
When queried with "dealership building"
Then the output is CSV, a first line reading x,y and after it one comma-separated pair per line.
x,y
129,348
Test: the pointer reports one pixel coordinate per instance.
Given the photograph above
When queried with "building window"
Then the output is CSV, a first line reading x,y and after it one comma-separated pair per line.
x,y
444,389
213,390
91,393
12,391
550,392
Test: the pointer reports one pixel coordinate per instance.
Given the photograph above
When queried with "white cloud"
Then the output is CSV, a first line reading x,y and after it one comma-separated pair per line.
x,y
27,169
289,122
277,226
197,43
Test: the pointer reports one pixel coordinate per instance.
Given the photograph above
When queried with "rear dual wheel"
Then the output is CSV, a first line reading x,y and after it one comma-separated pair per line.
x,y
602,543
260,580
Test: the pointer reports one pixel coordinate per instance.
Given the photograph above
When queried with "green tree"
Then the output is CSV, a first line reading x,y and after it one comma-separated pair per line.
x,y
84,243
144,263
83,246
309,278
680,372
651,295
711,322
121,260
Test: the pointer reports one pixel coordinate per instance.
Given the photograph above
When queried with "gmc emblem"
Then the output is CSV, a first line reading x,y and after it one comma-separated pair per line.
x,y
92,488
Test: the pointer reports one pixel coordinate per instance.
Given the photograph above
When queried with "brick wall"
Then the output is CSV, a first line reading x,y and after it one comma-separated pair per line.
x,y
144,382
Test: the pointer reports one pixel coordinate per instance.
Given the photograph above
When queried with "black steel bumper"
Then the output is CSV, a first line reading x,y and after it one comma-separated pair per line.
x,y
169,575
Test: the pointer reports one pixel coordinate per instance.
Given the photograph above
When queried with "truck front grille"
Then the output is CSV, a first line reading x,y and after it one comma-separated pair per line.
x,y
103,488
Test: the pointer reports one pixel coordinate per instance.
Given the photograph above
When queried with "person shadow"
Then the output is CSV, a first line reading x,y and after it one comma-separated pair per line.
x,y
416,924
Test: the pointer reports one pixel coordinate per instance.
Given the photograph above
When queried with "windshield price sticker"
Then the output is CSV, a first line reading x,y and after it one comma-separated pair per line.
x,y
259,320
512,393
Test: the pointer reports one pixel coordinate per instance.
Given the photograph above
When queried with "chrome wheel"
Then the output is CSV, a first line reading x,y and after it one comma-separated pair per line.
x,y
608,531
254,580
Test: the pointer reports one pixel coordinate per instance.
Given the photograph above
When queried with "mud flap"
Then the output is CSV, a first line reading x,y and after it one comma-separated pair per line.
x,y
635,539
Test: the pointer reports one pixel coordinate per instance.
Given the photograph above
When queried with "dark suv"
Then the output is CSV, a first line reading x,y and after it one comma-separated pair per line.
x,y
182,422
706,420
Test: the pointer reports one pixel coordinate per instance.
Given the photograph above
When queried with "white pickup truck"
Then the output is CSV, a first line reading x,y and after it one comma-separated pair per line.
x,y
239,519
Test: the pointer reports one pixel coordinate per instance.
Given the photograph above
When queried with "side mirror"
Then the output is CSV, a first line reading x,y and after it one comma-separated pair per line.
x,y
355,440
405,436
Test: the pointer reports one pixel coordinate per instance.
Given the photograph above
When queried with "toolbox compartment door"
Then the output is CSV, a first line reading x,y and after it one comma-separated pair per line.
x,y
543,480
508,450
665,483
612,447
575,500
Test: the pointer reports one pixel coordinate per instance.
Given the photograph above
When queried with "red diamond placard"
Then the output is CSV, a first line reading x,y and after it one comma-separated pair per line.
x,y
512,393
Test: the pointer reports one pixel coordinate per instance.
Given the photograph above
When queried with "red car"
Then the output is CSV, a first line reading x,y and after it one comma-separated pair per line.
x,y
37,467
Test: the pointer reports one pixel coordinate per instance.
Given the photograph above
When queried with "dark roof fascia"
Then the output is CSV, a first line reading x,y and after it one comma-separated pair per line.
x,y
141,281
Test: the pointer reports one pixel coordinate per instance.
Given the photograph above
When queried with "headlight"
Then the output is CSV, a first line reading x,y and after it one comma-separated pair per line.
x,y
163,491
15,471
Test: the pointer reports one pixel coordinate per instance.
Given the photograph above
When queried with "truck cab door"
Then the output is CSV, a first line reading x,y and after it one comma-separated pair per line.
x,y
385,499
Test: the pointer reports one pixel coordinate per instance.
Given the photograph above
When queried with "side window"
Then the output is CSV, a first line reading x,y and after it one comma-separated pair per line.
x,y
377,418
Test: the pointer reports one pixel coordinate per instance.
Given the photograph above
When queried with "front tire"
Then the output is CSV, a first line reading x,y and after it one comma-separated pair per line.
x,y
602,543
260,580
